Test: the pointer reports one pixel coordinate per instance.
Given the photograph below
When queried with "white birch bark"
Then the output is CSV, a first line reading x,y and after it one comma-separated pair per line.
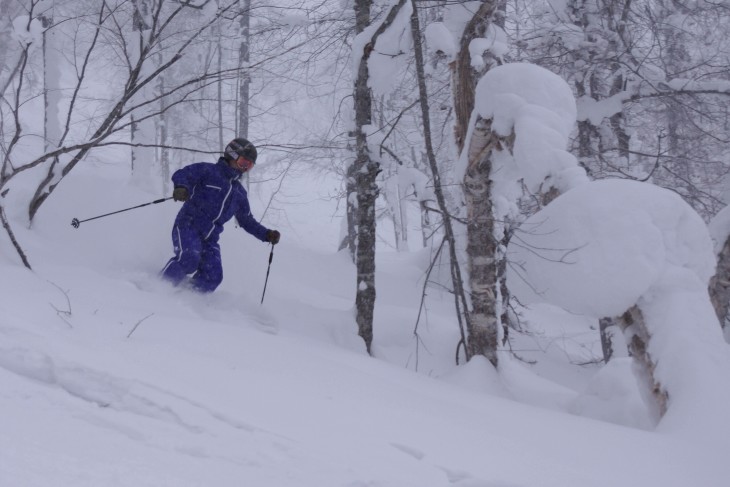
x,y
244,76
145,169
638,337
720,285
51,82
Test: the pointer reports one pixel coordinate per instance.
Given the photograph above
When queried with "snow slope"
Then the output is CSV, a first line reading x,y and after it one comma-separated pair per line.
x,y
112,378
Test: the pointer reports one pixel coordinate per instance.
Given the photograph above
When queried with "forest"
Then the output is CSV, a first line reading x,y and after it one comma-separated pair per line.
x,y
569,152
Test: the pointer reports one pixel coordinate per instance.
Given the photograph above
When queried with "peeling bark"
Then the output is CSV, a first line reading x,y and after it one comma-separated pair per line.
x,y
484,249
464,76
637,335
720,285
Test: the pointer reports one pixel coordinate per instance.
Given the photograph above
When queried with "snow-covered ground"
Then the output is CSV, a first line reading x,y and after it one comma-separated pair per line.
x,y
109,377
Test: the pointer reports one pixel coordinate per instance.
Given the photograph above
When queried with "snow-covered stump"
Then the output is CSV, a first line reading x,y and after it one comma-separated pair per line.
x,y
634,250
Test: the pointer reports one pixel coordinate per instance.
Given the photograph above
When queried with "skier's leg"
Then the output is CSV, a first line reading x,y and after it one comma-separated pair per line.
x,y
210,270
188,250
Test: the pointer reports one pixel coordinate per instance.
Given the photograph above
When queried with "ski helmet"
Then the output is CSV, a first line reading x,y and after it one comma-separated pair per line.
x,y
240,147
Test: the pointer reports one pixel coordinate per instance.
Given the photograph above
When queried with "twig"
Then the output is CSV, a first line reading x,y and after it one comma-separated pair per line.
x,y
423,298
139,323
61,313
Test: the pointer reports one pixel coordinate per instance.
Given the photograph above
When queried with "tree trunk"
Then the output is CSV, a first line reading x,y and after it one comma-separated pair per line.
x,y
618,124
51,83
637,337
365,255
484,254
485,259
604,325
13,240
395,207
143,128
163,121
362,176
244,77
52,131
363,112
464,76
364,171
219,85
481,248
720,285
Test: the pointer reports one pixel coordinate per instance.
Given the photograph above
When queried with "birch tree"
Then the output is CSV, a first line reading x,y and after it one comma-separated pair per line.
x,y
485,261
244,77
51,79
244,57
143,127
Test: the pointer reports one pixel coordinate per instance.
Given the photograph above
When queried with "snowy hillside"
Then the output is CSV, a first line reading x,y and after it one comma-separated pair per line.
x,y
112,378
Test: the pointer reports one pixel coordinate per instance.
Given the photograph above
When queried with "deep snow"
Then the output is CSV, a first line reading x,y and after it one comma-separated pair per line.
x,y
220,390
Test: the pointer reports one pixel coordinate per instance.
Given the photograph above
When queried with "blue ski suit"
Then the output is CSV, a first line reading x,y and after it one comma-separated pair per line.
x,y
216,195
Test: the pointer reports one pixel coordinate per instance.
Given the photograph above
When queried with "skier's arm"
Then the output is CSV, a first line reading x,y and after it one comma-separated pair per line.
x,y
249,223
189,176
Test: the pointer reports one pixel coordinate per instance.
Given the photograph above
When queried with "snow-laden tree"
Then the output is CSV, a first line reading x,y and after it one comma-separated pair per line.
x,y
635,250
363,188
651,83
457,38
516,142
500,153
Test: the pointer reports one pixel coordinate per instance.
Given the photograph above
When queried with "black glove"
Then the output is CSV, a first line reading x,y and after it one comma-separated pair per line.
x,y
273,236
180,194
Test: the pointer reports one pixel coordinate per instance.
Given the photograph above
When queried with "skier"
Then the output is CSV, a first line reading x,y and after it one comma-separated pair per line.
x,y
211,195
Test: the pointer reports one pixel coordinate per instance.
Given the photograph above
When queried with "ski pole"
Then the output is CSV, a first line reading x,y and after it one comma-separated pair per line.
x,y
271,257
76,222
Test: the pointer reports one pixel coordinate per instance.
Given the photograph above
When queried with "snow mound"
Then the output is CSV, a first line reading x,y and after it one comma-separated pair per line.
x,y
598,248
540,108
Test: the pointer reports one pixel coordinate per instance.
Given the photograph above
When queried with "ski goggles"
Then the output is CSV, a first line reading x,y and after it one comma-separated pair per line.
x,y
243,164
